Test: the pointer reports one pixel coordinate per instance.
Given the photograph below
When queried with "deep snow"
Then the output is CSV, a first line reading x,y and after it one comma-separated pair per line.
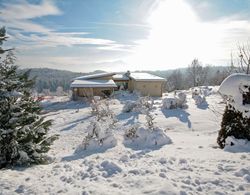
x,y
192,164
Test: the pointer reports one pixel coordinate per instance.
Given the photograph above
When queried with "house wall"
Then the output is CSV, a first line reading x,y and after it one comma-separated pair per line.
x,y
151,88
89,92
131,85
99,91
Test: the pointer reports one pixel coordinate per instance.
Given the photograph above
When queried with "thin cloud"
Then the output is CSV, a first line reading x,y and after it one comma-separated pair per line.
x,y
19,15
39,36
25,10
121,24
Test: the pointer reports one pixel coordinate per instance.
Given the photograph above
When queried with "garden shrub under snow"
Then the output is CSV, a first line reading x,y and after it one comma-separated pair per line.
x,y
100,131
199,95
236,117
177,101
142,137
233,124
148,135
199,99
138,106
99,136
129,106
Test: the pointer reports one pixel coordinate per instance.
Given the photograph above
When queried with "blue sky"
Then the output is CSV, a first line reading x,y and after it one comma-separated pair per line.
x,y
114,35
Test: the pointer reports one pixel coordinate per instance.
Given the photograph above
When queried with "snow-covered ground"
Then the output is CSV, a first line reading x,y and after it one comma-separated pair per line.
x,y
191,164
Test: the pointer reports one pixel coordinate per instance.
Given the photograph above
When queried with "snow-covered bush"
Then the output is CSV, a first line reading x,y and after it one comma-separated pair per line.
x,y
199,99
199,95
147,135
59,91
206,91
150,120
141,137
140,105
196,91
129,106
177,101
202,90
233,124
101,109
131,132
99,135
236,117
145,104
100,130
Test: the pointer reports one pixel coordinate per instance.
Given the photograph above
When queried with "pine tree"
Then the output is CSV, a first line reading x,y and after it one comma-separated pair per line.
x,y
233,124
23,131
3,38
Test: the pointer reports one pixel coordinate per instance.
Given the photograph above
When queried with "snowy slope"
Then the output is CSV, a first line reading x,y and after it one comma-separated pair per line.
x,y
192,164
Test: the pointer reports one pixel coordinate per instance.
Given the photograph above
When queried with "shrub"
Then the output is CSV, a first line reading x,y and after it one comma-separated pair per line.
x,y
100,130
233,124
98,134
129,106
139,136
142,104
178,101
199,99
131,132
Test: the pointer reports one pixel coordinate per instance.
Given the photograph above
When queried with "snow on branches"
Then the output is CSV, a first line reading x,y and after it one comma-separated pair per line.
x,y
100,131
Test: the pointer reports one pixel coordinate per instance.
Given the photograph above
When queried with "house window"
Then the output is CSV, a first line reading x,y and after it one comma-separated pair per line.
x,y
246,96
144,86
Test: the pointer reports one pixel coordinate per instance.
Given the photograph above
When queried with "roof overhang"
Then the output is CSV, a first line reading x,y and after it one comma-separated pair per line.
x,y
93,84
94,76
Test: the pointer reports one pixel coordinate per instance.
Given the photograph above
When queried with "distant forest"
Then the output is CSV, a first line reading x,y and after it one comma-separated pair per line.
x,y
50,79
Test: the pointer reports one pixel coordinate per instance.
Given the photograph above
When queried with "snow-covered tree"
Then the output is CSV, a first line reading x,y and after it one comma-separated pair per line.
x,y
23,131
236,118
175,81
197,74
233,124
100,130
59,91
3,38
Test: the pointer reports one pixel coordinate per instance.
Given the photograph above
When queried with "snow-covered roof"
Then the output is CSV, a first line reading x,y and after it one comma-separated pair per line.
x,y
121,77
93,83
141,76
94,76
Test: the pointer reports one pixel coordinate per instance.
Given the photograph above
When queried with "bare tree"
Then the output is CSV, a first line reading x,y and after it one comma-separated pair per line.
x,y
244,58
175,81
242,61
197,74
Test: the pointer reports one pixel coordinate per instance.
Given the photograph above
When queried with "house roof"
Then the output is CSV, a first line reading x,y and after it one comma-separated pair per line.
x,y
120,77
142,76
93,83
94,76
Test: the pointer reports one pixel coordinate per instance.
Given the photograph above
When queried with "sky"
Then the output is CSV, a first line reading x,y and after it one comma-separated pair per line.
x,y
120,35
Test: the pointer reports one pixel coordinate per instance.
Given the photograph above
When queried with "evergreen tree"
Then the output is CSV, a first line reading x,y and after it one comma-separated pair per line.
x,y
3,38
233,124
23,131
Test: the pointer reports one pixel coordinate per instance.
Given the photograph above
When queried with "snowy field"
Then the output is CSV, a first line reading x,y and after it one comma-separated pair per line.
x,y
191,164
